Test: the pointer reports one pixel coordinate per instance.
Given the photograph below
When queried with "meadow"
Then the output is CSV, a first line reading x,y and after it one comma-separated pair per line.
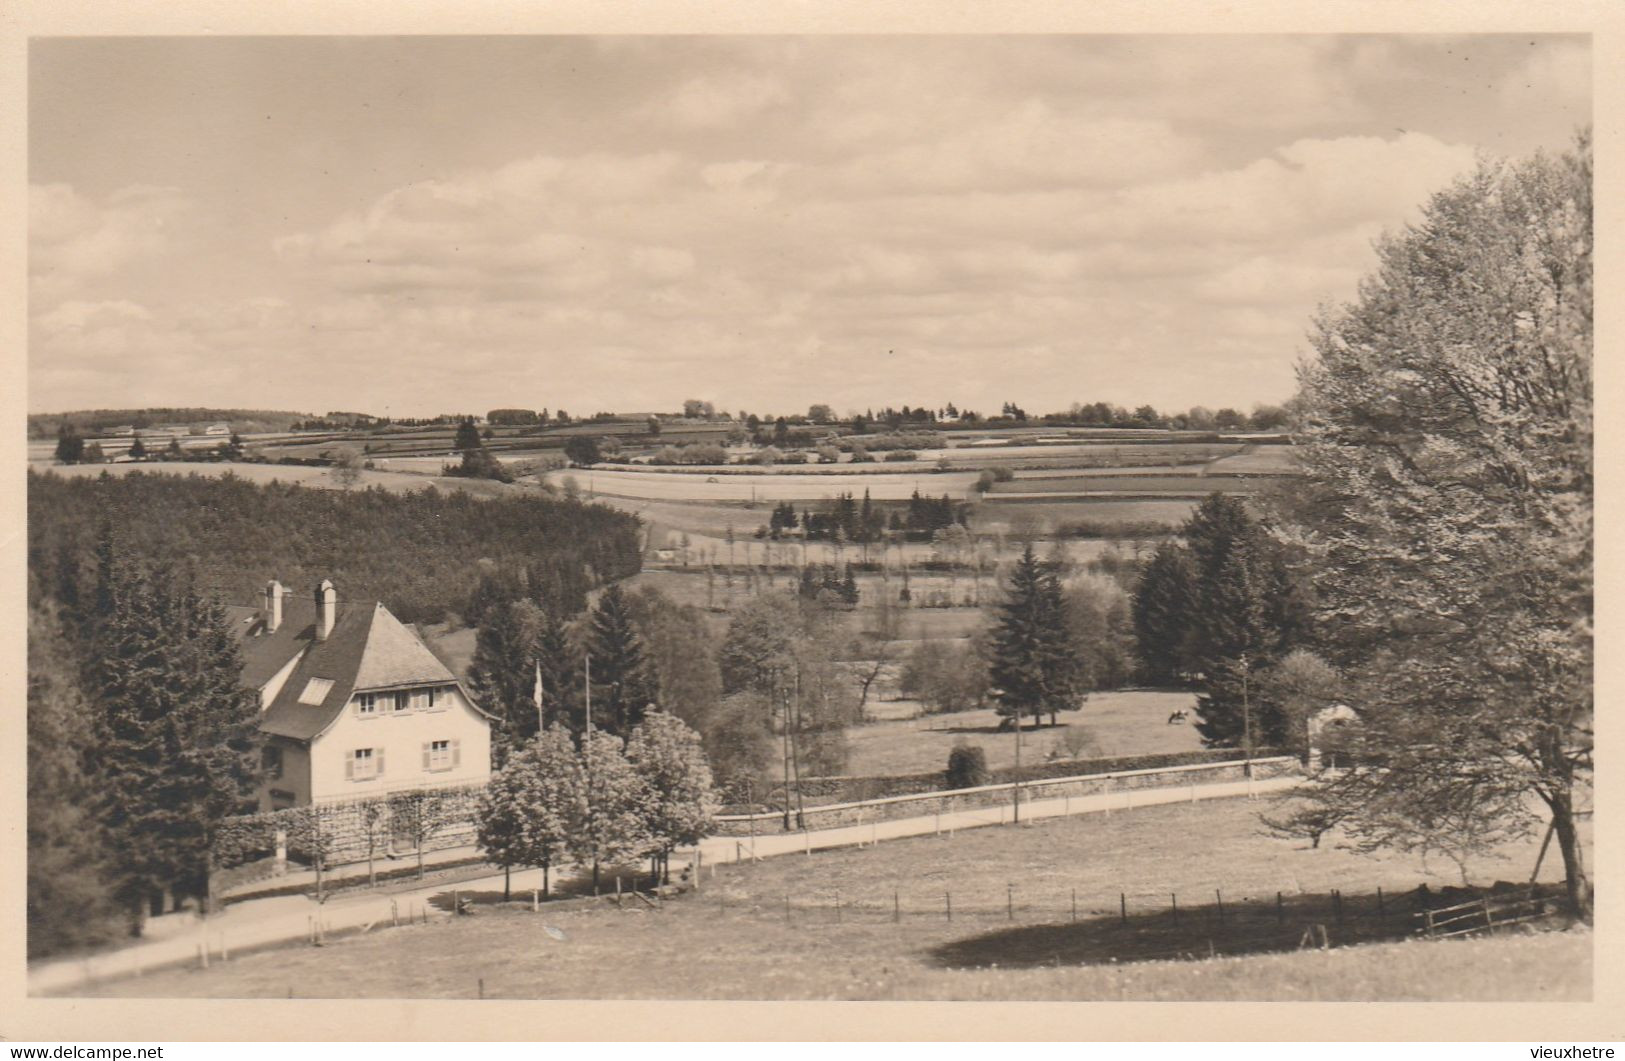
x,y
873,924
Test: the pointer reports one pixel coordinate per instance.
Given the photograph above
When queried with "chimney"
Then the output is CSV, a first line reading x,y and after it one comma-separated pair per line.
x,y
273,606
327,606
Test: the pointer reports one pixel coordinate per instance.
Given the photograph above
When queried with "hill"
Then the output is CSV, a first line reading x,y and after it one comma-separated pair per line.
x,y
97,421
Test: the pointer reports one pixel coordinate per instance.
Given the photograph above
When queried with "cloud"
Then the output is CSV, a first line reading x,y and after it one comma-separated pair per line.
x,y
716,101
73,239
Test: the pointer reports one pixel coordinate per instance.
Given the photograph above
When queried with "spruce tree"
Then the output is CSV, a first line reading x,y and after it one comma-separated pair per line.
x,y
559,665
502,675
1164,608
1034,667
622,685
176,746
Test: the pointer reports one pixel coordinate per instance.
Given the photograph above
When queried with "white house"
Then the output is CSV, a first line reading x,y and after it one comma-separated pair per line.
x,y
353,704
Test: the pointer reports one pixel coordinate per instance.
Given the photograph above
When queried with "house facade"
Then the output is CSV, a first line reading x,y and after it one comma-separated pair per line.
x,y
353,705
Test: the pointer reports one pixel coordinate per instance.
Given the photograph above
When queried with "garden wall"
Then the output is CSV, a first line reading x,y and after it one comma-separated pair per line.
x,y
833,815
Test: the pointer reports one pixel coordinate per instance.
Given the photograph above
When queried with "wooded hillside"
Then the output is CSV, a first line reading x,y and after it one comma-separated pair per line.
x,y
420,553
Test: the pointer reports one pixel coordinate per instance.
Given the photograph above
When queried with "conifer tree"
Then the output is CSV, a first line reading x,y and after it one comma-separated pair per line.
x,y
557,664
1164,607
502,675
176,746
622,685
1033,666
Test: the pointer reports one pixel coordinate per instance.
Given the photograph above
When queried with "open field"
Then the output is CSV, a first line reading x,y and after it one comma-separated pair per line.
x,y
1134,722
767,486
1010,937
1121,483
999,512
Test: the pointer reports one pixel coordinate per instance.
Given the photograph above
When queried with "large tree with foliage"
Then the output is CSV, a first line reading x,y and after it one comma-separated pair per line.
x,y
680,802
1033,669
607,812
523,816
1446,438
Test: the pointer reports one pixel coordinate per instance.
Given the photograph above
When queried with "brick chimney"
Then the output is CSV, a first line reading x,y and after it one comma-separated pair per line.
x,y
273,606
327,606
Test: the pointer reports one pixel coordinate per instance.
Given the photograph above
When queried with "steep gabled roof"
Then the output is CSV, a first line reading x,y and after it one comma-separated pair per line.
x,y
265,653
368,649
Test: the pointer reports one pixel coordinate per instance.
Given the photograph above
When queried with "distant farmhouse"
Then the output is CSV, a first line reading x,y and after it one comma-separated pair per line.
x,y
353,704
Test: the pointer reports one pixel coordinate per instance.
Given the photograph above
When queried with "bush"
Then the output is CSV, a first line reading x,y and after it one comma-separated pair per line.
x,y
967,766
901,455
796,456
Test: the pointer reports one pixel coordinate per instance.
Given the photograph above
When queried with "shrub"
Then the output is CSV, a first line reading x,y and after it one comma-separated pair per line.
x,y
901,455
798,456
967,766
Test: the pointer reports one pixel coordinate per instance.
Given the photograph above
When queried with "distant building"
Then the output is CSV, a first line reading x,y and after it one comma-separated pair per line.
x,y
217,429
353,704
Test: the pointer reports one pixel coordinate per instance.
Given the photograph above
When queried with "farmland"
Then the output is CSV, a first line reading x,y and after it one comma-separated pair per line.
x,y
870,924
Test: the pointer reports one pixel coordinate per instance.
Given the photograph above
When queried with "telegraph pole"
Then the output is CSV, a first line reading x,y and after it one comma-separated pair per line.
x,y
1246,718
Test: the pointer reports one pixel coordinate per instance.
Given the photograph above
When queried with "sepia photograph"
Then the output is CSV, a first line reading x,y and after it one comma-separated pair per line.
x,y
1062,517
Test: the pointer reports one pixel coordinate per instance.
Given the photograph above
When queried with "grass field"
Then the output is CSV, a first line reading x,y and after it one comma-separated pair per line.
x,y
1117,723
735,939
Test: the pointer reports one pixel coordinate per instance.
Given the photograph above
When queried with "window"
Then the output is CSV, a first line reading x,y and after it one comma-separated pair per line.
x,y
424,699
401,701
316,691
271,761
364,764
442,755
366,704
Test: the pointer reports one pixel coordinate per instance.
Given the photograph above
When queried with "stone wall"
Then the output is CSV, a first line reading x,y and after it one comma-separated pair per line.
x,y
832,816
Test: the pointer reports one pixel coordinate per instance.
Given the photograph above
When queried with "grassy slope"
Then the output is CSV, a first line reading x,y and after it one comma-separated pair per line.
x,y
1119,723
732,940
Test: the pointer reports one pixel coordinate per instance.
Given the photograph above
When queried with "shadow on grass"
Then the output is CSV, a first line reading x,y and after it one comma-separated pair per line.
x,y
1250,926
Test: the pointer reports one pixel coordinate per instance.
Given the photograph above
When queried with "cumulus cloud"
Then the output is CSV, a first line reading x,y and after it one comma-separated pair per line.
x,y
74,239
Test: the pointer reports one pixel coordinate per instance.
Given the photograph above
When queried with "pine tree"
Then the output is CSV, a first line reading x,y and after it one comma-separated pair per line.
x,y
1164,608
681,802
502,675
558,665
468,436
1033,666
177,748
69,875
622,685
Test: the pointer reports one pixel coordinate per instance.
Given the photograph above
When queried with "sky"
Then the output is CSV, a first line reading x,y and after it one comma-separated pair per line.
x,y
415,226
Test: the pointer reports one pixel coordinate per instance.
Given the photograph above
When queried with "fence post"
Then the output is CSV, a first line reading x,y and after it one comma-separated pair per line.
x,y
837,906
896,907
1381,910
482,986
1010,901
1122,906
787,908
699,866
224,954
1218,897
1174,899
1280,909
536,900
394,915
1074,904
1337,906
948,904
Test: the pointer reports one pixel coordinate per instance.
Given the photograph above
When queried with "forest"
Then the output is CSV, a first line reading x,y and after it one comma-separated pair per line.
x,y
421,553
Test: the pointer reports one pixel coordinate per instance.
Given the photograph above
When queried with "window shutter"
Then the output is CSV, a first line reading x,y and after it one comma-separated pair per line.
x,y
349,767
378,756
425,755
456,753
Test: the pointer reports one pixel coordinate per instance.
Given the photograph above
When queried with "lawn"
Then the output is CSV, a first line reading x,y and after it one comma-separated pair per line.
x,y
1011,935
1117,723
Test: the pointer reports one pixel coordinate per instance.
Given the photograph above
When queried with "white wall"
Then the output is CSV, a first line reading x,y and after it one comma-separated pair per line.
x,y
401,736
